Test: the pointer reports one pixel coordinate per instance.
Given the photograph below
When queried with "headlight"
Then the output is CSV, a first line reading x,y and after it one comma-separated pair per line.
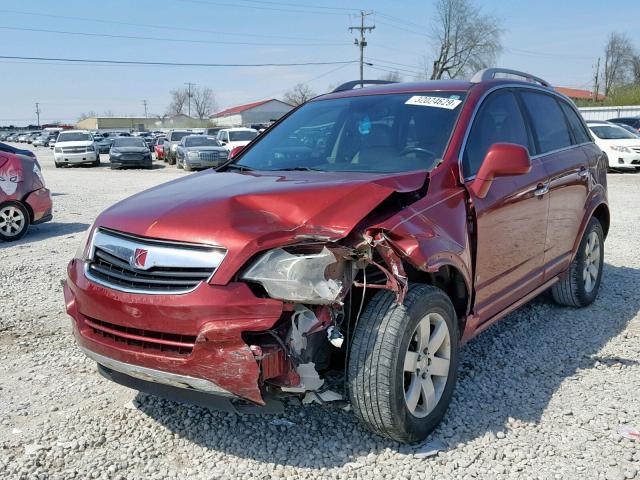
x,y
91,148
620,148
114,153
193,154
82,253
58,150
298,277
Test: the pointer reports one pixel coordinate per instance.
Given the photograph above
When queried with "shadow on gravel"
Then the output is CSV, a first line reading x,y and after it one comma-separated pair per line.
x,y
45,231
512,370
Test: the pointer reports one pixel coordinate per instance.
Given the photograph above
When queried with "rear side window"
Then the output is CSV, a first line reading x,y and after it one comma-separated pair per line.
x,y
549,126
499,120
579,133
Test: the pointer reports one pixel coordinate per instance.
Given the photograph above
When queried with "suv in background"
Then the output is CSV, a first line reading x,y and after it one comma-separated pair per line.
x,y
170,145
381,226
75,147
231,138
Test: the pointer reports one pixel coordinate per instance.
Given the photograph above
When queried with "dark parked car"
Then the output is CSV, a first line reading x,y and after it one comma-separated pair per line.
x,y
170,145
372,231
129,152
104,144
197,152
631,121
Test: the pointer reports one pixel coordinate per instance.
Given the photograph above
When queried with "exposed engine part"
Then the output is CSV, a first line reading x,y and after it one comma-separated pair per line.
x,y
335,337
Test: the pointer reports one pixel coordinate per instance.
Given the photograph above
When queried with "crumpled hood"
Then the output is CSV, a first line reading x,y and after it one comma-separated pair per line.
x,y
254,211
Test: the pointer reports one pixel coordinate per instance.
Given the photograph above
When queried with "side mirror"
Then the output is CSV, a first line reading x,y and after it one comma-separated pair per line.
x,y
235,152
501,160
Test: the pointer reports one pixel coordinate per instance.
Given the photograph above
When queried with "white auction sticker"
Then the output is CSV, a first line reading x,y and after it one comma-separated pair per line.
x,y
438,102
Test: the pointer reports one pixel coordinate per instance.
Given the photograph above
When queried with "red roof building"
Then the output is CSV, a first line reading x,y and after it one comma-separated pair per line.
x,y
578,94
264,111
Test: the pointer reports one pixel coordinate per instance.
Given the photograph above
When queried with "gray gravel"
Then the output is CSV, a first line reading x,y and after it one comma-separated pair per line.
x,y
541,395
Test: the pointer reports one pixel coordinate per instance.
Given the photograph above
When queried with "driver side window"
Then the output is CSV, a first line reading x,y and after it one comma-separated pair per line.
x,y
499,120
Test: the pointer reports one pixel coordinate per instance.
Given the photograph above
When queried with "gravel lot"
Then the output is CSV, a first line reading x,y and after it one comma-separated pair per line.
x,y
540,395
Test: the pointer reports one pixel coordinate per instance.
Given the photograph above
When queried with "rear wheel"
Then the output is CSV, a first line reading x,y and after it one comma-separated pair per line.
x,y
14,221
58,165
403,363
579,287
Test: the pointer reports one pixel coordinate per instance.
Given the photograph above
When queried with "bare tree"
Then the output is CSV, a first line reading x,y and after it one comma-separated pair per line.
x,y
618,55
204,102
85,115
466,38
635,68
179,99
298,94
392,77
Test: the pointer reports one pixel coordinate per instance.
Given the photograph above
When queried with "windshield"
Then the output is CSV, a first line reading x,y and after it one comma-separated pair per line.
x,y
611,132
200,141
75,137
128,142
176,136
242,135
376,133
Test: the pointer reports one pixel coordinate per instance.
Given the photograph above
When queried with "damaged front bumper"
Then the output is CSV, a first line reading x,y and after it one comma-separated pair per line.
x,y
191,341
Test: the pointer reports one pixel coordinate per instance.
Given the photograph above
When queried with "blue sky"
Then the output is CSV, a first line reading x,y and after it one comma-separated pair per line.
x,y
557,40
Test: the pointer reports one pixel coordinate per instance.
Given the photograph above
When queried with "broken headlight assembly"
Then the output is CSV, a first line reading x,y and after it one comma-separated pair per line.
x,y
312,277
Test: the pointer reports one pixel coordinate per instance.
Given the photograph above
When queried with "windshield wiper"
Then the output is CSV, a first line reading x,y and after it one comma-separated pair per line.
x,y
299,168
235,166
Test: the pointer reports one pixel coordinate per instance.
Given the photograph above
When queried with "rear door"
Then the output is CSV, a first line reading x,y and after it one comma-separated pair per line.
x,y
512,219
560,142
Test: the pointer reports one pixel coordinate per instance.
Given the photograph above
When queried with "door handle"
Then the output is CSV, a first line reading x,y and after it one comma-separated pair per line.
x,y
541,190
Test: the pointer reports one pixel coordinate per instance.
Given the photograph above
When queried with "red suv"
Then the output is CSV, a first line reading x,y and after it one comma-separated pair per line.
x,y
372,231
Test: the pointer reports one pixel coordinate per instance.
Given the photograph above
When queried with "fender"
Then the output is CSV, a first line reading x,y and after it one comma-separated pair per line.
x,y
430,235
597,197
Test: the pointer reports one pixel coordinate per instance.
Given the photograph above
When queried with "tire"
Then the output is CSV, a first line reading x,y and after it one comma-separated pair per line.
x,y
178,163
96,163
58,165
574,289
377,377
187,167
14,221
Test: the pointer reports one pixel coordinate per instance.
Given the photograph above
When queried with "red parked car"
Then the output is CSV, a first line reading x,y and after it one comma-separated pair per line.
x,y
373,227
159,148
24,199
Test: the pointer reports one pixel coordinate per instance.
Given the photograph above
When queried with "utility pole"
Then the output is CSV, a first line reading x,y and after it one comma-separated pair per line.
x,y
38,113
362,41
596,82
189,85
144,102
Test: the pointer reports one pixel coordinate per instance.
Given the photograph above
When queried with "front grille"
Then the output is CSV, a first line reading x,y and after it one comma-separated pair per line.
x,y
132,156
143,339
74,149
128,263
209,156
117,272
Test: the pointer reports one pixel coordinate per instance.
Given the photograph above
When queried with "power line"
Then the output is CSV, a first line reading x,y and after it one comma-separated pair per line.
x,y
159,26
256,7
399,20
362,41
165,39
172,64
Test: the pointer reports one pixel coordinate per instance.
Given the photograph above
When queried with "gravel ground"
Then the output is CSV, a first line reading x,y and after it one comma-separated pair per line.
x,y
540,395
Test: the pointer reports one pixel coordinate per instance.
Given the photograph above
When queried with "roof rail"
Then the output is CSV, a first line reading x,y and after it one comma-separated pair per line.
x,y
353,83
490,73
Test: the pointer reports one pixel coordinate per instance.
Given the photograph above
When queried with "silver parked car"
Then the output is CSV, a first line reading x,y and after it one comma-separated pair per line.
x,y
199,151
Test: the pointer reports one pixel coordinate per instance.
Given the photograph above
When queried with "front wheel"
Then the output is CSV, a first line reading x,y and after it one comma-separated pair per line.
x,y
579,286
403,363
14,221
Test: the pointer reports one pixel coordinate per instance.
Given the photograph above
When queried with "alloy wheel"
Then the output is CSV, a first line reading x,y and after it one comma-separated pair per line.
x,y
591,262
12,221
426,365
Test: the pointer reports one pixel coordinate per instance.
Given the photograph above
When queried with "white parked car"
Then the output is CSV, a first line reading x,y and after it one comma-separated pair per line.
x,y
231,138
75,147
621,146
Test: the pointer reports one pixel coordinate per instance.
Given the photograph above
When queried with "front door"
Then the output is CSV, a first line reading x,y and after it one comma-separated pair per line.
x,y
511,221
